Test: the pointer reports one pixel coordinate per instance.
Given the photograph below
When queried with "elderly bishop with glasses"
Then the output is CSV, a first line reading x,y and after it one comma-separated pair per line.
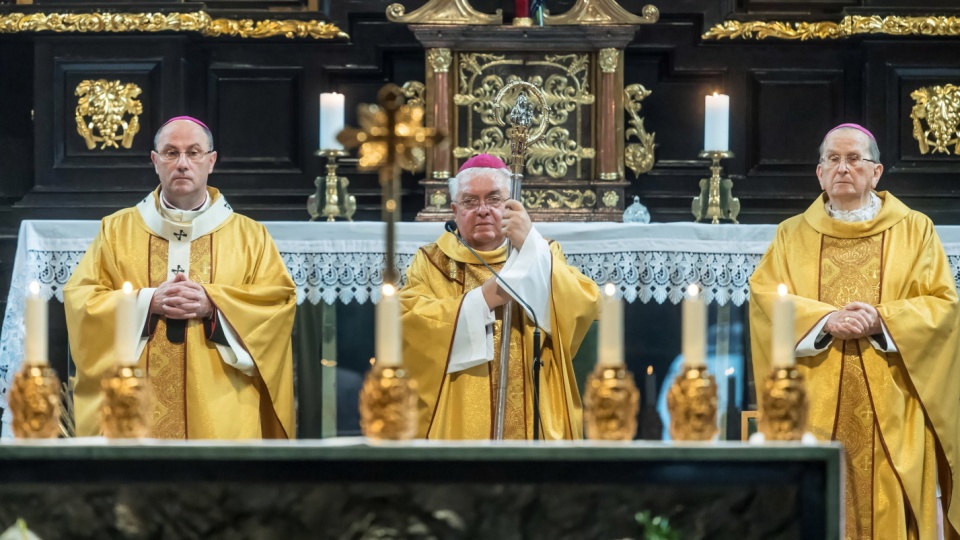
x,y
214,302
877,341
453,309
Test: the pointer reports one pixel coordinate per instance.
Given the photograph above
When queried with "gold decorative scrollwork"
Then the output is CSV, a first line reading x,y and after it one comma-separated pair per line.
x,y
108,113
440,59
601,12
443,12
850,25
198,21
610,198
438,199
637,156
609,58
940,107
413,92
565,83
558,198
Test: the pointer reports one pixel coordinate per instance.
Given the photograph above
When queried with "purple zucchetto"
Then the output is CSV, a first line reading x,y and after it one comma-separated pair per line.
x,y
485,161
857,127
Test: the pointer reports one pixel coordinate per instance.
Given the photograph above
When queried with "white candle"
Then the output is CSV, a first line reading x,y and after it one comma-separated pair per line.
x,y
35,318
610,353
331,120
694,329
124,339
388,328
716,123
783,347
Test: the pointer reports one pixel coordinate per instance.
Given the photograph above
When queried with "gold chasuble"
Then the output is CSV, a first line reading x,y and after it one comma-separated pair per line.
x,y
197,394
460,405
896,413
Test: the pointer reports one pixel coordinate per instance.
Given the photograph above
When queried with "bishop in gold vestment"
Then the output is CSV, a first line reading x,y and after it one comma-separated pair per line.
x,y
452,315
877,342
215,305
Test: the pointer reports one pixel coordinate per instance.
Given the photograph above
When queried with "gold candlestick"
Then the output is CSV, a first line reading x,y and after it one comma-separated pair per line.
x,y
388,404
611,403
127,404
332,200
35,402
783,405
716,202
692,402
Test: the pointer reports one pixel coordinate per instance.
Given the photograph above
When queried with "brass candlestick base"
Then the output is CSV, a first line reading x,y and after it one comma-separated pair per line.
x,y
35,402
388,404
783,405
332,200
127,404
692,402
611,404
716,202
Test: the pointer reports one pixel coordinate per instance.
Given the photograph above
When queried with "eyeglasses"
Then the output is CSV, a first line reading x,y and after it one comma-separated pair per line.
x,y
194,155
853,161
472,203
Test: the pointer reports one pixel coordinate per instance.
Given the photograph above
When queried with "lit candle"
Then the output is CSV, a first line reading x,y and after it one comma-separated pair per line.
x,y
125,337
650,386
331,120
783,347
610,353
388,327
35,318
716,123
694,329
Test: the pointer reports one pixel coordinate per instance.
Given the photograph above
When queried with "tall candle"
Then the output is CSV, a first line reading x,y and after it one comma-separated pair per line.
x,y
522,8
694,329
610,353
124,339
650,388
331,120
716,123
35,318
783,346
388,328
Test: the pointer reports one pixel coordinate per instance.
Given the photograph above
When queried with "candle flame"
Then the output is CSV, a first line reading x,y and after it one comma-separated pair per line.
x,y
127,287
34,288
388,289
715,94
782,289
693,290
649,370
609,289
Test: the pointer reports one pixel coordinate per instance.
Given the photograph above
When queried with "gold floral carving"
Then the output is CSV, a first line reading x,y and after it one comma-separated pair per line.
x,y
692,402
601,12
413,92
438,199
610,198
443,12
565,83
35,402
784,405
127,405
637,156
440,59
108,113
558,198
198,21
850,25
388,404
939,106
610,405
609,58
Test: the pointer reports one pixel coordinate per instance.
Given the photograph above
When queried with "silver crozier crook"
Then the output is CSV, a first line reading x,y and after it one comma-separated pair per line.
x,y
519,133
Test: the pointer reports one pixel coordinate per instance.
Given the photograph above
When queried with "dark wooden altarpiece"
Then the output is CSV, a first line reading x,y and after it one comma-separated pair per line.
x,y
792,69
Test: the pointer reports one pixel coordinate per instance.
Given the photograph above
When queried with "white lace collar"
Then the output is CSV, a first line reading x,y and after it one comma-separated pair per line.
x,y
864,213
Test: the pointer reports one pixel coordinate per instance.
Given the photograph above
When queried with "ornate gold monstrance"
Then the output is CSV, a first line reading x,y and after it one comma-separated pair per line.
x,y
576,172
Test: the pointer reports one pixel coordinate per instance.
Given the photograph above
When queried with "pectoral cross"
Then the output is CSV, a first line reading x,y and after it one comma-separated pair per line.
x,y
180,234
177,270
392,138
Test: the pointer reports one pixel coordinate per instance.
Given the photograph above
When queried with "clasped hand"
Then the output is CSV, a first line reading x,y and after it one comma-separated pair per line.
x,y
181,298
515,225
854,321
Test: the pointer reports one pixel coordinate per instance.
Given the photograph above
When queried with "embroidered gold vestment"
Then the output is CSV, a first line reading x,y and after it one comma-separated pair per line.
x,y
897,414
197,395
460,405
